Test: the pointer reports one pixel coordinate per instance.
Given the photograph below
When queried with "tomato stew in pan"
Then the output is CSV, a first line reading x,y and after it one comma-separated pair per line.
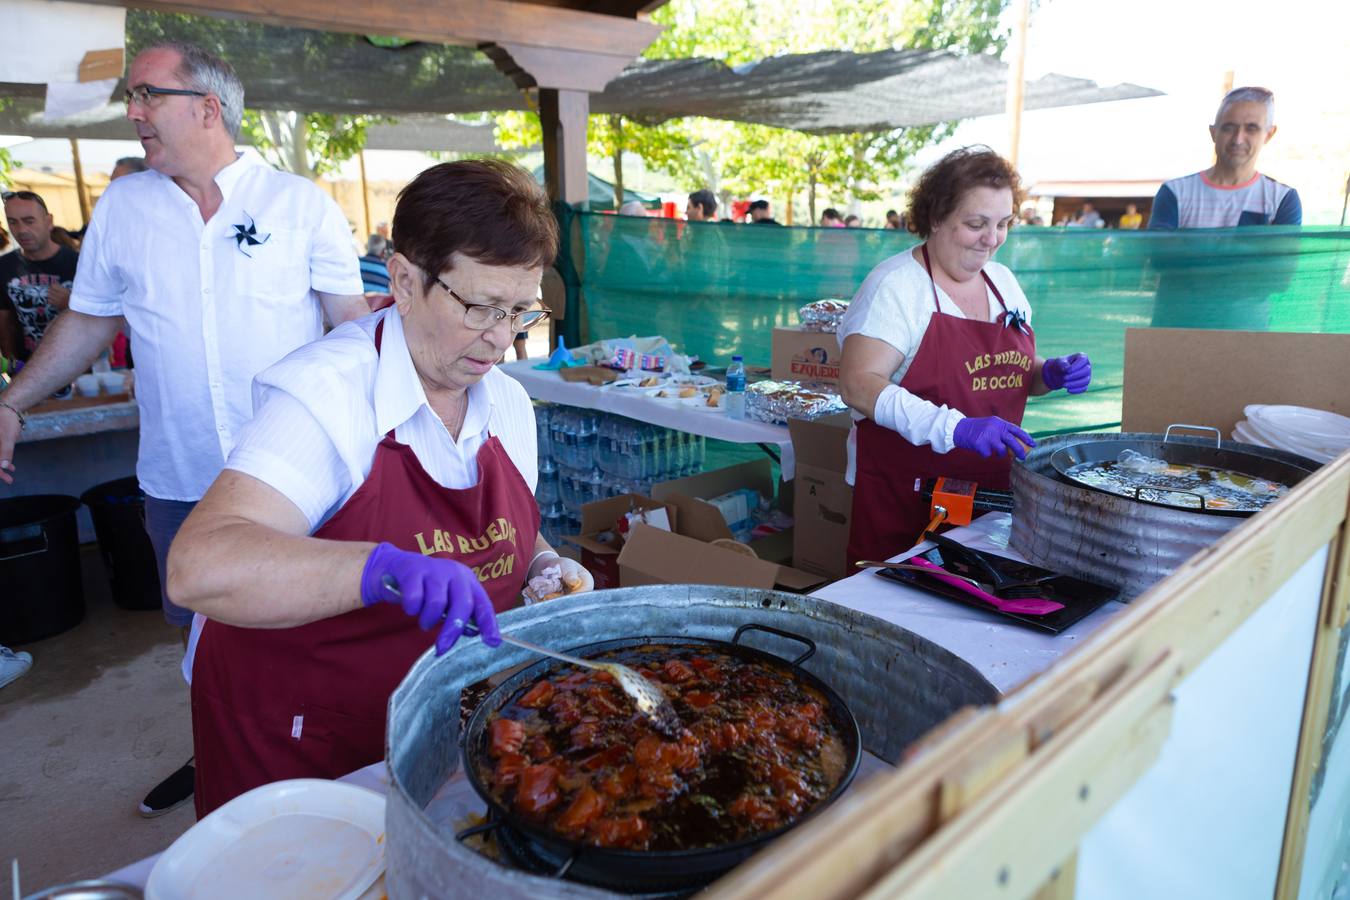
x,y
761,748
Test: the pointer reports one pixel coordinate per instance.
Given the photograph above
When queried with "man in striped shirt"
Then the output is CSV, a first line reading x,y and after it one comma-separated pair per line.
x,y
1231,192
374,272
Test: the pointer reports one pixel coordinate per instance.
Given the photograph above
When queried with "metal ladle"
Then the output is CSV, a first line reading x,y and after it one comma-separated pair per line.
x,y
649,699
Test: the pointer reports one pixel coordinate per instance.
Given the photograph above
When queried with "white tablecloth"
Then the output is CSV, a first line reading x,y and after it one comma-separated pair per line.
x,y
1004,653
547,385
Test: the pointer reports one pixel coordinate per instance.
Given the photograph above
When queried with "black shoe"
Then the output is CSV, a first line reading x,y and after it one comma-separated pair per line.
x,y
170,793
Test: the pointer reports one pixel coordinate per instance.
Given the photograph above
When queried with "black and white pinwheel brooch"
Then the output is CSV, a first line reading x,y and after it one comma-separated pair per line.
x,y
246,236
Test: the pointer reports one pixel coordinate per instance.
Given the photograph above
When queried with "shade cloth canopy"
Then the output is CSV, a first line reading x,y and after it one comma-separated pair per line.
x,y
827,92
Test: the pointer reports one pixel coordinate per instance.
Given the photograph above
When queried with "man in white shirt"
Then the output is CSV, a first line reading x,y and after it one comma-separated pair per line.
x,y
218,266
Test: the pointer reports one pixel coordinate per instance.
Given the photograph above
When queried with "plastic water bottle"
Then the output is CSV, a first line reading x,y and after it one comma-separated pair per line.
x,y
543,415
736,389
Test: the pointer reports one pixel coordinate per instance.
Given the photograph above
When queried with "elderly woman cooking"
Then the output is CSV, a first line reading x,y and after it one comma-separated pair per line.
x,y
939,355
382,496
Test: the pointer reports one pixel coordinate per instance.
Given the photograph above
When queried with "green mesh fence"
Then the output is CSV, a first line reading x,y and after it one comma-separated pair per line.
x,y
718,289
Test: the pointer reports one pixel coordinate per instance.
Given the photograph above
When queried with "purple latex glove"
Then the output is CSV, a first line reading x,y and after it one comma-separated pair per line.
x,y
1071,372
437,591
992,436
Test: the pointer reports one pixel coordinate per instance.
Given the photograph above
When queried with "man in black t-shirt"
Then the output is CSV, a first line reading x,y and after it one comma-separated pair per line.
x,y
35,281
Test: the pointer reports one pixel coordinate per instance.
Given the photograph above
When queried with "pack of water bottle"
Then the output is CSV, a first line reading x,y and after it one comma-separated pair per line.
x,y
586,455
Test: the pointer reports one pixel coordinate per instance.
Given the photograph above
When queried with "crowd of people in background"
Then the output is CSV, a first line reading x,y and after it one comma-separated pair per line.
x,y
1228,194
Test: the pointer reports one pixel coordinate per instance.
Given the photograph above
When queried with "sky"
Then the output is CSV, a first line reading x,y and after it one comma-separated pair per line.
x,y
1298,48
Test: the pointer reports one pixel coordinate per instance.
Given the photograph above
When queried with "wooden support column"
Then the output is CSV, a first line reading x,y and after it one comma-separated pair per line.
x,y
365,195
563,114
81,189
565,80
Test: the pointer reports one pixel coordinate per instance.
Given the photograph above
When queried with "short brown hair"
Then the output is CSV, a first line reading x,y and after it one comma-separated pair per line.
x,y
490,211
940,189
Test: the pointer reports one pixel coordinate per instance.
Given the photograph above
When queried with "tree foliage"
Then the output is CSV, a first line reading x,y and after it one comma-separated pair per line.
x,y
738,159
7,161
308,144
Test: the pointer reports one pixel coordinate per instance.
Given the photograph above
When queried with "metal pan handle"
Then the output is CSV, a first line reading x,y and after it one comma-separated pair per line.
x,y
810,644
482,828
1218,435
1163,490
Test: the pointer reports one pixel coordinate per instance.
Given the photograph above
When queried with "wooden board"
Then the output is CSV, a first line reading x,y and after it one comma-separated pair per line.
x,y
470,22
77,402
98,65
1186,375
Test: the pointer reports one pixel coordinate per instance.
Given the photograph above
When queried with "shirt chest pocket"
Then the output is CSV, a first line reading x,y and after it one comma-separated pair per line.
x,y
275,271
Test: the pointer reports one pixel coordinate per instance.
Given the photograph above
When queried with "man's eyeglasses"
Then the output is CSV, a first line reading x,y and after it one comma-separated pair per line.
x,y
23,195
482,316
148,94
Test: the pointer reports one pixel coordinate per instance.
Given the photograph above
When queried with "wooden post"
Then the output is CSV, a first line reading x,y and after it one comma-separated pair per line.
x,y
81,190
562,116
365,196
1017,79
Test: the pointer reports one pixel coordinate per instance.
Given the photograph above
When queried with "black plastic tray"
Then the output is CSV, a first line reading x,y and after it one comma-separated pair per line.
x,y
1078,596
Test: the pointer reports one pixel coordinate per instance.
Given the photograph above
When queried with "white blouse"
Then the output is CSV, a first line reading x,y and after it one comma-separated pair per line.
x,y
321,412
895,305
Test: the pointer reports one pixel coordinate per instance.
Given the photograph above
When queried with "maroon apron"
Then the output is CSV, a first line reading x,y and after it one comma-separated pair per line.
x,y
309,702
980,368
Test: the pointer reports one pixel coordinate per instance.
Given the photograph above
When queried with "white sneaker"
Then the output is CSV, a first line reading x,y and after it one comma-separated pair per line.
x,y
13,665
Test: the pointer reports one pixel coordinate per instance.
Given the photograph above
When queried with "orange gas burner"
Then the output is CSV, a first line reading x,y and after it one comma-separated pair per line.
x,y
957,497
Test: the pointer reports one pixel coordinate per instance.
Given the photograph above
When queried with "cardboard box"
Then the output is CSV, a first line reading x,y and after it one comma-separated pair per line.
x,y
602,559
805,356
652,556
687,556
1199,377
823,503
703,522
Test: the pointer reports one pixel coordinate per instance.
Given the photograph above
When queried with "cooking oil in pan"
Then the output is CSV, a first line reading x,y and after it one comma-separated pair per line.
x,y
1134,475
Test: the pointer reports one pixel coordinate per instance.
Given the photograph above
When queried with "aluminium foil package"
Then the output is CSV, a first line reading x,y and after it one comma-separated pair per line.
x,y
777,401
823,315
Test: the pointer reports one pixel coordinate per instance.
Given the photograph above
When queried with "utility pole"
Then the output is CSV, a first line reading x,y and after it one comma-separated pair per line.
x,y
1017,79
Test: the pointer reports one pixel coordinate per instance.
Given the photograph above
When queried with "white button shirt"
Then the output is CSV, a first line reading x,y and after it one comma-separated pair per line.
x,y
322,411
206,312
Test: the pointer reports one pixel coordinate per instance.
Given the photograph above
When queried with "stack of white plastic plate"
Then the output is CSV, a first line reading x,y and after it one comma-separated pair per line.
x,y
285,840
1314,433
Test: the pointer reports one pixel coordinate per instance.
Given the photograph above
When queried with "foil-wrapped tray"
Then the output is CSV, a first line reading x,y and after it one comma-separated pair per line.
x,y
777,401
823,315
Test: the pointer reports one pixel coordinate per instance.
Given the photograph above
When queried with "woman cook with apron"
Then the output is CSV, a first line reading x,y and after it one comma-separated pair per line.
x,y
382,496
939,356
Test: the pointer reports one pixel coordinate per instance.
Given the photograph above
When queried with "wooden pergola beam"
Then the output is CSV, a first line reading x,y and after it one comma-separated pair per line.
x,y
471,22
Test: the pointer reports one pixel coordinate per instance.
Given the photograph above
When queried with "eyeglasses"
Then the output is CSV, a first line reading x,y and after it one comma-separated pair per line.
x,y
482,316
142,94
